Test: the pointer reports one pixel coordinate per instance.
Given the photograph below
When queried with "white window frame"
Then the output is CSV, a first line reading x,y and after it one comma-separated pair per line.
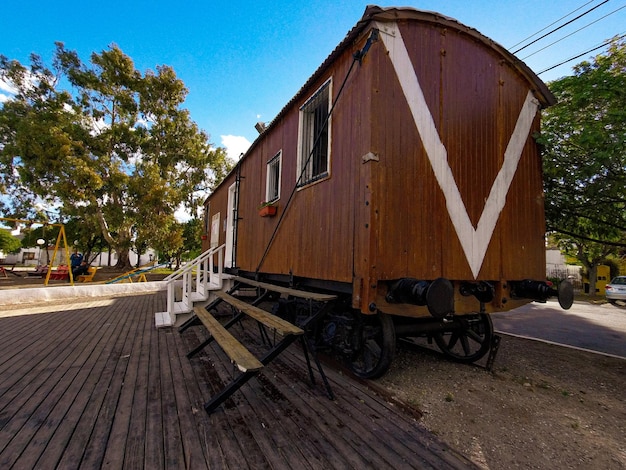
x,y
272,180
306,137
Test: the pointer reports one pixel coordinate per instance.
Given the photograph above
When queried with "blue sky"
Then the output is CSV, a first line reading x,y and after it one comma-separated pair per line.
x,y
242,60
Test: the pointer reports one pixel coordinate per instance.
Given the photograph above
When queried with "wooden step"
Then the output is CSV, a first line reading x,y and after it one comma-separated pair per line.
x,y
283,327
237,352
286,290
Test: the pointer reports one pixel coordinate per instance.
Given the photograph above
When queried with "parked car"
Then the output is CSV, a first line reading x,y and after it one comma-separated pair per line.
x,y
616,291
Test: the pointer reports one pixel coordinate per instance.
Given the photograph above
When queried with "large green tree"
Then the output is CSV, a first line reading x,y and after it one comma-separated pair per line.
x,y
584,139
115,149
9,243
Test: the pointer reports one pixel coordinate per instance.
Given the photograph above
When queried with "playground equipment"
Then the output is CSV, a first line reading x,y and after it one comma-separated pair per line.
x,y
139,273
61,238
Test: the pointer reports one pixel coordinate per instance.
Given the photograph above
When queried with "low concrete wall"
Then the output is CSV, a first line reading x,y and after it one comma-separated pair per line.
x,y
30,295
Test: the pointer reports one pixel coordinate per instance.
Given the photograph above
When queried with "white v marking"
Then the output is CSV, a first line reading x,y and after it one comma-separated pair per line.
x,y
474,241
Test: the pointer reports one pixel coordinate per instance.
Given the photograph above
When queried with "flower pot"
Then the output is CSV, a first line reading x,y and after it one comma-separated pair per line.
x,y
267,211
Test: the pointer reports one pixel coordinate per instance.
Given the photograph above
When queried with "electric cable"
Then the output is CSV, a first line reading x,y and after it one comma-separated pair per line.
x,y
551,24
606,43
562,26
571,34
357,57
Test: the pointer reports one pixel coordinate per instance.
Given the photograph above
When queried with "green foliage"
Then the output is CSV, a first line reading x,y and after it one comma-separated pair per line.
x,y
183,241
118,153
9,243
31,235
584,140
192,239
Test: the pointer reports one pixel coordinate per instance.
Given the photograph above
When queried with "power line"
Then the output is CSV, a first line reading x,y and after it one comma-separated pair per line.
x,y
578,56
577,31
562,26
551,24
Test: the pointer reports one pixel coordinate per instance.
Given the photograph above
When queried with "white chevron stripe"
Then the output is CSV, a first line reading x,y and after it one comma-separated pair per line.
x,y
474,241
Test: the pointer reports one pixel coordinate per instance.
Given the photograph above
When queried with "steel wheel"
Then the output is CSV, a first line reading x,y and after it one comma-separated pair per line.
x,y
467,339
377,347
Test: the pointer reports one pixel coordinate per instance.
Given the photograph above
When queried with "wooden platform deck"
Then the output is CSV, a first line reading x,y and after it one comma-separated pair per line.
x,y
95,385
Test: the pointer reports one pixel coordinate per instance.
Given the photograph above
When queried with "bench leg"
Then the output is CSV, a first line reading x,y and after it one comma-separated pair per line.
x,y
231,388
236,384
194,320
306,348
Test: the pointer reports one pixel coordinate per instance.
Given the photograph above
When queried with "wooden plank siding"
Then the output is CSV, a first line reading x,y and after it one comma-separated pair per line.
x,y
389,218
475,118
324,211
93,384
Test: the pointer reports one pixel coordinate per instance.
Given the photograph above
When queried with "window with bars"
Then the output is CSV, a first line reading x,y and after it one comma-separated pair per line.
x,y
314,145
272,182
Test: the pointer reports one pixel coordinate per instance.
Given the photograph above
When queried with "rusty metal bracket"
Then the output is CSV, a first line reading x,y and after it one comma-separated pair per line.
x,y
493,351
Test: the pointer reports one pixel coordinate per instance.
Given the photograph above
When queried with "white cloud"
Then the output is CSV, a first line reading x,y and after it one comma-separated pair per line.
x,y
182,215
7,87
235,145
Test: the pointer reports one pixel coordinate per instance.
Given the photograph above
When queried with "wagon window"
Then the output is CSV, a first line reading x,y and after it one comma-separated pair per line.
x,y
272,184
314,150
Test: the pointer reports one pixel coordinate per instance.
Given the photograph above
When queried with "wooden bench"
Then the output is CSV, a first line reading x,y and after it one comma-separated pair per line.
x,y
239,355
302,294
283,327
89,276
237,352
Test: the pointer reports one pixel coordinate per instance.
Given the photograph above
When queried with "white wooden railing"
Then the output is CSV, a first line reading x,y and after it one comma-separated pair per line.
x,y
196,279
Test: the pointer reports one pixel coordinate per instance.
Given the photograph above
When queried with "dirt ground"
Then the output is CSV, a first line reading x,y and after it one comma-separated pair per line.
x,y
543,406
22,279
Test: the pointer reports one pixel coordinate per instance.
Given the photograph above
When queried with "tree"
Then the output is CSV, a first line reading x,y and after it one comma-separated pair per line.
x,y
584,139
119,152
183,241
9,243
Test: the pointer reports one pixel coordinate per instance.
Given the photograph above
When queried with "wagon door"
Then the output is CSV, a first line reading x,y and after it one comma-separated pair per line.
x,y
231,226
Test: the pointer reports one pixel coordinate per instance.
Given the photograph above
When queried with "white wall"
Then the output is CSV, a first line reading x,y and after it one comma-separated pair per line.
x,y
556,267
39,256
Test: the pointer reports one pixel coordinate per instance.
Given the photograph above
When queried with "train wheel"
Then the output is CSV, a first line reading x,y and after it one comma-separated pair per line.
x,y
468,340
377,349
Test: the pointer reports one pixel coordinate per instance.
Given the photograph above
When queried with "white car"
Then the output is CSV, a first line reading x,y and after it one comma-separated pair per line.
x,y
616,291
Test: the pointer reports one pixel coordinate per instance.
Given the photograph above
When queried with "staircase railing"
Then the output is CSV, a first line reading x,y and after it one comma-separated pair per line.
x,y
196,279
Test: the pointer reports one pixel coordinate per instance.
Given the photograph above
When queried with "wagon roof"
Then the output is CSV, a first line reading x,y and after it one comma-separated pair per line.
x,y
386,14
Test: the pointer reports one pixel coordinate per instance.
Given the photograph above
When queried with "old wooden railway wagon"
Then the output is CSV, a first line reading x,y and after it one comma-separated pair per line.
x,y
403,177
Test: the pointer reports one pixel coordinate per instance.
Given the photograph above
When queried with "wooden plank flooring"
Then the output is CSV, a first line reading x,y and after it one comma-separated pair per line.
x,y
93,384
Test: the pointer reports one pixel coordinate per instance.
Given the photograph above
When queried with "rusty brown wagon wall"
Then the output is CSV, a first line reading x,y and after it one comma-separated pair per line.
x,y
316,238
381,214
475,99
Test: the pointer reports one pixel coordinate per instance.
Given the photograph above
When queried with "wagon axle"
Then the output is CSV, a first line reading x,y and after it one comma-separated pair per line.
x,y
437,295
542,291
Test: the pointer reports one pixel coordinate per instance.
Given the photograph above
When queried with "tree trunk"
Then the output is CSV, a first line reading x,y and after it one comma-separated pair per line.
x,y
123,260
593,278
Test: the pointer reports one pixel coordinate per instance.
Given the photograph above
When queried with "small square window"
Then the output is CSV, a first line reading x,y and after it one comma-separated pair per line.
x,y
314,145
272,184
